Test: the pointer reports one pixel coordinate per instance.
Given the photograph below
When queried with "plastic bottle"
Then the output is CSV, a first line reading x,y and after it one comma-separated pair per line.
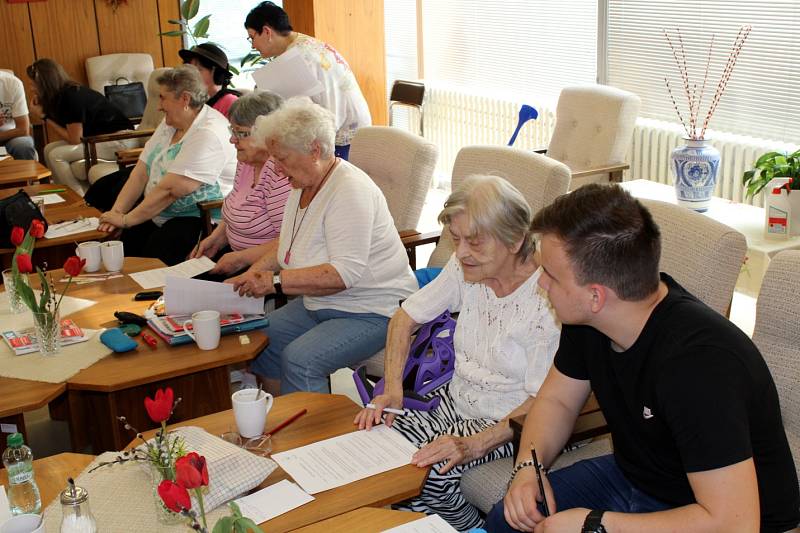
x,y
23,494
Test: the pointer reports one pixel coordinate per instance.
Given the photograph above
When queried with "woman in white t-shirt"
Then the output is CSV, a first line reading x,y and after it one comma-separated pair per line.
x,y
189,159
338,249
505,340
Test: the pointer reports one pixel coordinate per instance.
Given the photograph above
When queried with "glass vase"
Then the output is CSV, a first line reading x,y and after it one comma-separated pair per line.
x,y
48,332
164,515
15,303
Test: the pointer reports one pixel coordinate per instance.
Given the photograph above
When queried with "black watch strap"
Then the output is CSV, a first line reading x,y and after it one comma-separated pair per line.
x,y
592,523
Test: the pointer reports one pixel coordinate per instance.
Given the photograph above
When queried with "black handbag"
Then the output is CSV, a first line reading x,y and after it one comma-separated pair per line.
x,y
17,210
130,98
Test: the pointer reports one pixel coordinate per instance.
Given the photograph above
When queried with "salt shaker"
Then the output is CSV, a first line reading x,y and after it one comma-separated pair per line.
x,y
76,517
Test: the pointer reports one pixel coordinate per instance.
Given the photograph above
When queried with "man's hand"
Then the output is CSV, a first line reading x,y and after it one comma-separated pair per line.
x,y
569,520
455,450
366,418
256,284
519,503
229,263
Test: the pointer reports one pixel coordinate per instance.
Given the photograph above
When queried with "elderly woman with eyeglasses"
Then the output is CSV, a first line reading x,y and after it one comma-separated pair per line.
x,y
189,159
338,249
253,211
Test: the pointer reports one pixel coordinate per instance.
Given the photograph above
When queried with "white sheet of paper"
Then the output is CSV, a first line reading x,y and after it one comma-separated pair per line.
x,y
150,279
50,198
273,501
5,512
187,296
347,458
288,75
71,227
429,524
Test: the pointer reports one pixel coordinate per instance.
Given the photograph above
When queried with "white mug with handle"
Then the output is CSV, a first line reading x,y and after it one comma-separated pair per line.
x,y
205,329
113,254
90,251
250,408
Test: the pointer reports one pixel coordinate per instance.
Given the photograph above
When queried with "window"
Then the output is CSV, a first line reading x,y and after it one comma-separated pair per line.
x,y
517,48
763,96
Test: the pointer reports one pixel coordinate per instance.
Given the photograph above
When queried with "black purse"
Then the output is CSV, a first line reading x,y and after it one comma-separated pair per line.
x,y
130,98
17,210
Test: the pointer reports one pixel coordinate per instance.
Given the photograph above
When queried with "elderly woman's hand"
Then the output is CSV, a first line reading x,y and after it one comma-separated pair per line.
x,y
453,449
230,263
367,418
111,221
252,283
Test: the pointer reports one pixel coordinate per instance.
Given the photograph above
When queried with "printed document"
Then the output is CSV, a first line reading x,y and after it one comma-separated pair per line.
x,y
187,296
429,524
273,501
72,227
341,460
48,199
150,279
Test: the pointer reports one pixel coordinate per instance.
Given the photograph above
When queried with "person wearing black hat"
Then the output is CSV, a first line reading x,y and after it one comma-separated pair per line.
x,y
212,63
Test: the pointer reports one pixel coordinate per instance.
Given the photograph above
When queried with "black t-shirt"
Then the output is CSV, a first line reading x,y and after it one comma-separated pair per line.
x,y
692,394
77,103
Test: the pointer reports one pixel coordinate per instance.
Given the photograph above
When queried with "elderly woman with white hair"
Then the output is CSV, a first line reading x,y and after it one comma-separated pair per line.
x,y
338,249
505,340
187,160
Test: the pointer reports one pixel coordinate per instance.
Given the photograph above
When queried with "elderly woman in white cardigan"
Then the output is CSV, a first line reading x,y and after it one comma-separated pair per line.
x,y
505,340
338,249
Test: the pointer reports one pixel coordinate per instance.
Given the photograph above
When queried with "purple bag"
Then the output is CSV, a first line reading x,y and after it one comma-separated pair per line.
x,y
430,364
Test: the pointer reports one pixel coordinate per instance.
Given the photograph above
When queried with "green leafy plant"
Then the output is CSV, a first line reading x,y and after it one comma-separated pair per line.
x,y
192,31
773,165
235,523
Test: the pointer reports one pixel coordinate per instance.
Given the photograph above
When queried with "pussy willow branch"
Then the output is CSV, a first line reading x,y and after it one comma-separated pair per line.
x,y
738,43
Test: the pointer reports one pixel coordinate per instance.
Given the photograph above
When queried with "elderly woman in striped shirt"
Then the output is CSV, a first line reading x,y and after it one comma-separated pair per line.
x,y
253,211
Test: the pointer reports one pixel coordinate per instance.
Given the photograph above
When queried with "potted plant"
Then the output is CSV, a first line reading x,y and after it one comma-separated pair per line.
x,y
777,165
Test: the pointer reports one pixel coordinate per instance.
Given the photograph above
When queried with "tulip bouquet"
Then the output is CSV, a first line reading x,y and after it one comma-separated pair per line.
x,y
45,309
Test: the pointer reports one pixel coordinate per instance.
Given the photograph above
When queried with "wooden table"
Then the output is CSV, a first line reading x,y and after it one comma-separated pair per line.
x,y
366,519
328,416
20,395
55,251
51,473
117,384
21,171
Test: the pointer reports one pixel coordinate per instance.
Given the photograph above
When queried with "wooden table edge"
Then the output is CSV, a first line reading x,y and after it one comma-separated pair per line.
x,y
58,390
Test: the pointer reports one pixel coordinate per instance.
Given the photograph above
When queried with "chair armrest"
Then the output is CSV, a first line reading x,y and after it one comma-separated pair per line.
x,y
208,205
128,157
118,136
614,171
411,238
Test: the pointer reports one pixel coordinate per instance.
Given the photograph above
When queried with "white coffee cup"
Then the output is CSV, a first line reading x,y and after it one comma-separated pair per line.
x,y
250,408
23,523
205,329
90,251
113,254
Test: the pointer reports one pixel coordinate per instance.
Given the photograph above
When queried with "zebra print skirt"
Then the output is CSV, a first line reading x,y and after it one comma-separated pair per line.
x,y
442,492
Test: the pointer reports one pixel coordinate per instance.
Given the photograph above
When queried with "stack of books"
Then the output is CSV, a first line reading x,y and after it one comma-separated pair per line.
x,y
170,327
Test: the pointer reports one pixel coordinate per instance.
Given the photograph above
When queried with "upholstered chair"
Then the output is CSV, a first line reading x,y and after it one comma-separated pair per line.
x,y
593,132
107,69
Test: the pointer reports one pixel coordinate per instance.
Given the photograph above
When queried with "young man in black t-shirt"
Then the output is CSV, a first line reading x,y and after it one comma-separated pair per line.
x,y
698,439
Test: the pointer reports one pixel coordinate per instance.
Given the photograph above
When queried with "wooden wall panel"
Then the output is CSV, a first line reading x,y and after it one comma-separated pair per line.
x,y
66,31
16,40
301,15
169,9
356,29
133,27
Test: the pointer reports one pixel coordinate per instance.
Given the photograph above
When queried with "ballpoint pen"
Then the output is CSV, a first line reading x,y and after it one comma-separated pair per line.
x,y
387,409
538,467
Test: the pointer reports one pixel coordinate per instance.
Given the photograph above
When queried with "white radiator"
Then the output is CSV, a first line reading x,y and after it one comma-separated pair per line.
x,y
454,119
654,140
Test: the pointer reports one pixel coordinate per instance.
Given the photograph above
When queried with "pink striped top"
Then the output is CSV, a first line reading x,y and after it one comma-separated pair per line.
x,y
253,215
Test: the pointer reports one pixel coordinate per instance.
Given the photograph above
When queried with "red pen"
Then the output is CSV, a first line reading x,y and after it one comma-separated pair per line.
x,y
151,342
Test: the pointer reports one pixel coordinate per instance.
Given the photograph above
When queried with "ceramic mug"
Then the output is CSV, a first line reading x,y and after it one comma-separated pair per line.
x,y
205,329
250,408
90,251
23,523
113,254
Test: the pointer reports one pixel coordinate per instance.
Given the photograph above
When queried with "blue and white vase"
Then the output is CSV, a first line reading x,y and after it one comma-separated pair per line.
x,y
695,167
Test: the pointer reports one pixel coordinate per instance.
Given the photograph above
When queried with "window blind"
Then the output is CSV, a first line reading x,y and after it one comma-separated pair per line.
x,y
400,21
528,49
763,96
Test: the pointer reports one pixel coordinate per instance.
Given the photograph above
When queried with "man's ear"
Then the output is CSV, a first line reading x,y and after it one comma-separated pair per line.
x,y
599,297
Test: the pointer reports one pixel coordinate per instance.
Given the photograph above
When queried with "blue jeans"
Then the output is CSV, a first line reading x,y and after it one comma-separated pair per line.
x,y
20,147
596,483
305,347
342,151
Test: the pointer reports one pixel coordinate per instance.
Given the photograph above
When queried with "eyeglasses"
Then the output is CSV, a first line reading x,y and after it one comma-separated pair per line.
x,y
240,134
250,39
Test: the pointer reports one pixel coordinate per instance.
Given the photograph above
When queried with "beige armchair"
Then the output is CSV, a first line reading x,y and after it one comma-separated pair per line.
x,y
593,132
106,69
778,338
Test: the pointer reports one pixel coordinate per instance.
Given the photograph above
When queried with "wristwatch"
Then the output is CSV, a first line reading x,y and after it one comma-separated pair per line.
x,y
592,523
276,283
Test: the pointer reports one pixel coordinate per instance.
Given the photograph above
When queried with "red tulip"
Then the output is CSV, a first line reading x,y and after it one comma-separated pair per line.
x,y
191,471
24,264
175,497
160,408
17,236
37,228
73,265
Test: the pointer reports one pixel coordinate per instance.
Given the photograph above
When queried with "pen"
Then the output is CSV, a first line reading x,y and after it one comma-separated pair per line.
x,y
538,467
287,422
52,190
151,342
387,409
196,246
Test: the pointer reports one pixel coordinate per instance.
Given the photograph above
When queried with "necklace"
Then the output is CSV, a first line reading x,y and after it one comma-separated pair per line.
x,y
288,256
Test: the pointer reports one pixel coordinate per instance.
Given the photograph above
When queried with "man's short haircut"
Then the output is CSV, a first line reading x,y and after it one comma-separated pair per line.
x,y
268,14
610,238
